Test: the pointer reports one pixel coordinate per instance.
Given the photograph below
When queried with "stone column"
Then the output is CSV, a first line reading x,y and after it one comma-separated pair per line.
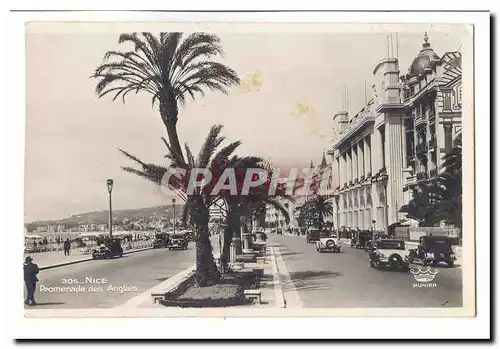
x,y
394,167
361,159
348,166
368,155
338,174
341,210
354,162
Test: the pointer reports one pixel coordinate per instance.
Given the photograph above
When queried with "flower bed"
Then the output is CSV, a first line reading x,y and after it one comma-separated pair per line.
x,y
228,291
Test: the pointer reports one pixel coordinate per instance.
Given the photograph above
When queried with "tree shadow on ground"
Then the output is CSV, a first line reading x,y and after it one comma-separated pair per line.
x,y
44,303
311,280
290,253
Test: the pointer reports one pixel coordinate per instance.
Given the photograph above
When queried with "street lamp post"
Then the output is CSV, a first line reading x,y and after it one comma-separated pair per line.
x,y
173,204
109,184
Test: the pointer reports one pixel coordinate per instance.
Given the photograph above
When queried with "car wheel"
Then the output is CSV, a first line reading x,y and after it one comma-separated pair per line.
x,y
330,244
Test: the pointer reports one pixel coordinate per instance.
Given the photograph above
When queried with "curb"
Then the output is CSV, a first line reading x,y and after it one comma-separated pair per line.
x,y
51,266
277,282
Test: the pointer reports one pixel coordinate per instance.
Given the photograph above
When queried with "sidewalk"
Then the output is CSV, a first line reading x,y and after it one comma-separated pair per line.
x,y
270,283
47,260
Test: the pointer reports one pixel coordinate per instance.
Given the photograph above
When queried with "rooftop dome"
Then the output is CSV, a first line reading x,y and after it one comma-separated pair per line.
x,y
424,59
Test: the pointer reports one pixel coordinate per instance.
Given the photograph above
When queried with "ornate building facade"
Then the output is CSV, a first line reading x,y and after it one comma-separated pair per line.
x,y
397,139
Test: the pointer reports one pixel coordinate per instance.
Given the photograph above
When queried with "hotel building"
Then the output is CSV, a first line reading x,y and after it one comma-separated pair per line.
x,y
397,139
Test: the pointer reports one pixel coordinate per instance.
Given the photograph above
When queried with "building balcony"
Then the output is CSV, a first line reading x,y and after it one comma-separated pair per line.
x,y
432,143
421,149
422,176
432,116
411,180
433,173
420,120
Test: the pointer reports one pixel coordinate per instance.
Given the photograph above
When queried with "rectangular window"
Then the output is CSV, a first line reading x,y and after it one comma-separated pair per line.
x,y
447,101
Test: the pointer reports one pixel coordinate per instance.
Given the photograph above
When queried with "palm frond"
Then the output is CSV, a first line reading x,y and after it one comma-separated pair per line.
x,y
210,146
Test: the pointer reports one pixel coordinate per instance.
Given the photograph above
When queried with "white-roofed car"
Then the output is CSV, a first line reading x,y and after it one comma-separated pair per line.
x,y
389,253
259,241
327,242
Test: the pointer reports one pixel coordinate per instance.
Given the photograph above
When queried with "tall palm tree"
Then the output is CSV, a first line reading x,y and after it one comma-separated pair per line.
x,y
198,203
170,68
318,207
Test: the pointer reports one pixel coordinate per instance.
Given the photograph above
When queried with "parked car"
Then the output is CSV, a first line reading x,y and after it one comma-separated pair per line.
x,y
361,239
327,243
161,240
109,248
433,250
312,235
389,253
178,241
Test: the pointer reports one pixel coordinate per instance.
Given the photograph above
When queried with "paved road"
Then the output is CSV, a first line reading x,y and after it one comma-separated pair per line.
x,y
110,283
345,280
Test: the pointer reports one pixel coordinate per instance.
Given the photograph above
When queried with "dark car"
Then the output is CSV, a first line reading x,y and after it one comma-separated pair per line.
x,y
432,250
388,253
178,241
109,248
313,235
161,240
362,240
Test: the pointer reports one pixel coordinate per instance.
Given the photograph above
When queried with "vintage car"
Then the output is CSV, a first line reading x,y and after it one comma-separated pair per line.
x,y
108,248
313,235
178,241
362,239
161,240
432,250
327,242
375,237
389,253
189,234
259,243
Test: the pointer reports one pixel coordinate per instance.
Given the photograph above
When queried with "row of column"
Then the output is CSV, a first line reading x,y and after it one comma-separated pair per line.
x,y
355,162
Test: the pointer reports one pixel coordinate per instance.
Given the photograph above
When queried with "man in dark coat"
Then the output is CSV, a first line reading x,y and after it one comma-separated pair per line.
x,y
30,279
67,246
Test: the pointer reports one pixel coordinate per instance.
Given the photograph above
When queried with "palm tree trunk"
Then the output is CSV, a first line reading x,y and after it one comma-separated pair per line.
x,y
206,269
169,112
228,238
320,221
173,139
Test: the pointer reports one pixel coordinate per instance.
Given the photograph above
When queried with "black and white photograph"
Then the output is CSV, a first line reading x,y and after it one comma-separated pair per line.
x,y
192,172
255,169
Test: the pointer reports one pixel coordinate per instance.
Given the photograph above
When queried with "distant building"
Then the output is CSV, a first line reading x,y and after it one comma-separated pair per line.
x,y
41,229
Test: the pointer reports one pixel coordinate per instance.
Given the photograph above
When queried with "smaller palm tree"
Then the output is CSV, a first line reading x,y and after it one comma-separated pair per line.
x,y
317,208
198,203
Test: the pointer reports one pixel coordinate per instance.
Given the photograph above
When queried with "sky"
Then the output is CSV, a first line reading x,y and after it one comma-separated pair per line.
x,y
292,83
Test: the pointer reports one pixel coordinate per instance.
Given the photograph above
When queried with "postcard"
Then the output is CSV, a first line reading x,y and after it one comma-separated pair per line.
x,y
262,170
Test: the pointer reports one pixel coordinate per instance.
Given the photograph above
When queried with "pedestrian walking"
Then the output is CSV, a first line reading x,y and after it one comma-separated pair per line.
x,y
67,247
30,280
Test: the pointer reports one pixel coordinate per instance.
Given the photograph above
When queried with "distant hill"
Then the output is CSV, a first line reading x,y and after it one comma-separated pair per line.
x,y
97,217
